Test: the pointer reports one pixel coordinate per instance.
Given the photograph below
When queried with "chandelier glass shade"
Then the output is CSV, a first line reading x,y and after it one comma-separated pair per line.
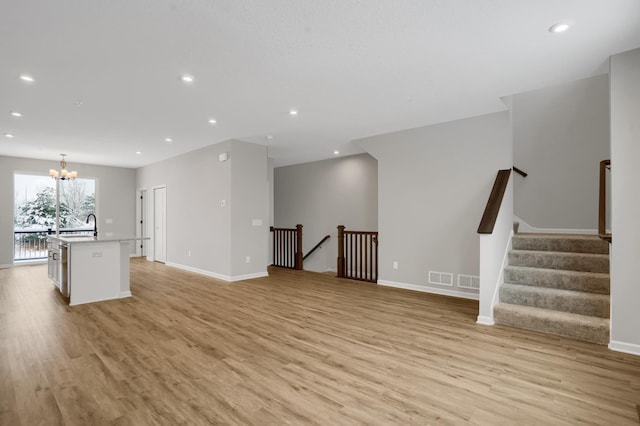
x,y
63,174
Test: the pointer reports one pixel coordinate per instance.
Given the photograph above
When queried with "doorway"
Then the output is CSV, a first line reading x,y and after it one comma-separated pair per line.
x,y
160,224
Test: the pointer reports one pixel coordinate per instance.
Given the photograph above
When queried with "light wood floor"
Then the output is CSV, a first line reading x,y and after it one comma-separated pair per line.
x,y
298,348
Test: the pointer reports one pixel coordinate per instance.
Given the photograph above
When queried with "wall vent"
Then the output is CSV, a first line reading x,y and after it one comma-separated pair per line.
x,y
441,278
469,281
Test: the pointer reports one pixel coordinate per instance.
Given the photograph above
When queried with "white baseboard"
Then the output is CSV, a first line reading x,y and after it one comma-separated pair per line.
x,y
10,265
200,271
628,348
124,294
525,227
484,320
249,276
227,278
424,289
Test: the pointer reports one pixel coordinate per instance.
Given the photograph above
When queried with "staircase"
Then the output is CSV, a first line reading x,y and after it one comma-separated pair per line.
x,y
557,284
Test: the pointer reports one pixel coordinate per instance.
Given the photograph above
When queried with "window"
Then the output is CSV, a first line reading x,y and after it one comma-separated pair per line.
x,y
35,211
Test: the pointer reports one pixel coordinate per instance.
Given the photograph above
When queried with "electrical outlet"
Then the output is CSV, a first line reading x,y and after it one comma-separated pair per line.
x,y
247,259
395,264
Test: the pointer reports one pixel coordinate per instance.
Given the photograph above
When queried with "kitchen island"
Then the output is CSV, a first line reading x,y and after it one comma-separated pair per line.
x,y
91,269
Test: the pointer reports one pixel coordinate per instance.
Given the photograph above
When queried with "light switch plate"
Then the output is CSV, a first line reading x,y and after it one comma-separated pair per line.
x,y
256,222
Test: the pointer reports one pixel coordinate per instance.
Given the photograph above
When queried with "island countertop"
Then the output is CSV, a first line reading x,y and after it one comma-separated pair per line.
x,y
106,237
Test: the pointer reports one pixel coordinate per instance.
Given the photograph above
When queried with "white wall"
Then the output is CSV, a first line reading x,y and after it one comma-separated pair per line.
x,y
560,135
115,196
321,195
199,228
625,178
433,185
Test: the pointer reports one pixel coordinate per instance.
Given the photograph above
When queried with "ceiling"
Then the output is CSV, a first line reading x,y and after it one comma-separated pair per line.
x,y
108,73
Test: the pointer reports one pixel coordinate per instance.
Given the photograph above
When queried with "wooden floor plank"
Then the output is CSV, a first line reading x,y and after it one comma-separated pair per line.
x,y
295,347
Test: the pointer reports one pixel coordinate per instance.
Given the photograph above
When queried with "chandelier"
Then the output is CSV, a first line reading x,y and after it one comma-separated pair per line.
x,y
64,174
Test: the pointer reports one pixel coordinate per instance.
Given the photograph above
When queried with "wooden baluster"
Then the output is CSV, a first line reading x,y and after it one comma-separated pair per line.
x,y
376,243
341,258
359,255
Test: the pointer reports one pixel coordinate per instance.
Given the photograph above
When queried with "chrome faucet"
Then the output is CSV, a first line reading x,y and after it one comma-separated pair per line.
x,y
95,224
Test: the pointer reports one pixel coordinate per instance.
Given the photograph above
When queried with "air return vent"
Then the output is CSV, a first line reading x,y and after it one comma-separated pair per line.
x,y
441,278
469,281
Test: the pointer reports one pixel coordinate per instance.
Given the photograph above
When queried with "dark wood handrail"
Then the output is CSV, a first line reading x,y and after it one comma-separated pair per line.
x,y
326,237
602,202
492,209
520,172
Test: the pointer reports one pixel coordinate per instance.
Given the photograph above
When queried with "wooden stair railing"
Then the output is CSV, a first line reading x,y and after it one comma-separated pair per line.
x,y
602,202
357,255
520,172
326,237
492,209
287,247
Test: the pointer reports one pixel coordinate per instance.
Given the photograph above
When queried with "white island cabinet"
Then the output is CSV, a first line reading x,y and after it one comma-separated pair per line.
x,y
91,269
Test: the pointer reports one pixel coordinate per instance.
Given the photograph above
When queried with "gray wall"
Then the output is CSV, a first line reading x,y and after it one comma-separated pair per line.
x,y
198,224
625,178
115,196
322,195
249,203
560,134
433,185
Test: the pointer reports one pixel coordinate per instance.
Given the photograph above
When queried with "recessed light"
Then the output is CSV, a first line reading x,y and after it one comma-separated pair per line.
x,y
138,152
168,140
8,135
27,78
16,114
187,78
336,152
293,112
558,28
212,121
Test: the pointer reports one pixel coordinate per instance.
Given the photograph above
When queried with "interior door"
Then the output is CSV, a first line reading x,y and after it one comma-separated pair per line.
x,y
160,224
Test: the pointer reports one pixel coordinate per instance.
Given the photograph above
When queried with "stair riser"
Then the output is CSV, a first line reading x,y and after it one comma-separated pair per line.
x,y
595,334
558,279
563,261
581,303
562,245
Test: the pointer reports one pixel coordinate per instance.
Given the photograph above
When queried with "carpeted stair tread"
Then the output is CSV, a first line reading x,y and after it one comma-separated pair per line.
x,y
582,327
586,262
591,282
560,243
576,302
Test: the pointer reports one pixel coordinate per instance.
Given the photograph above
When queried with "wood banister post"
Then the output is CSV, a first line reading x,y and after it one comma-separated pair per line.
x,y
273,246
341,251
299,260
